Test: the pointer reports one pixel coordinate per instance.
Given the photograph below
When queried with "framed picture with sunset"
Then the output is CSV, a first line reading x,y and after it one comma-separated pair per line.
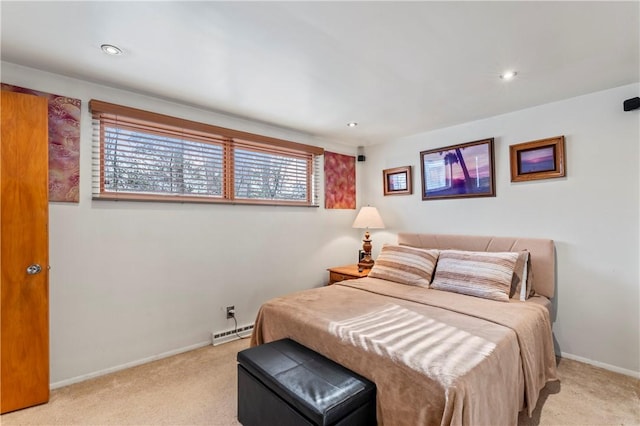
x,y
458,171
541,159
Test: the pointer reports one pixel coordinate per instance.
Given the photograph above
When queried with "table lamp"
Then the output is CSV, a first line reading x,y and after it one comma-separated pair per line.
x,y
368,218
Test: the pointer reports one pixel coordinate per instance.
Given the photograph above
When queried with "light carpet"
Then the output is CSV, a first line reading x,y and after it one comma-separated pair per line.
x,y
199,388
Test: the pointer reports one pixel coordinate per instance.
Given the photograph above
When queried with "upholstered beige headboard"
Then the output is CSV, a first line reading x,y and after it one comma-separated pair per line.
x,y
541,252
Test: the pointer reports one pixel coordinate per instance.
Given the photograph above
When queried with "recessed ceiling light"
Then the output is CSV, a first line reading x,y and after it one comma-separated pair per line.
x,y
508,75
110,49
352,124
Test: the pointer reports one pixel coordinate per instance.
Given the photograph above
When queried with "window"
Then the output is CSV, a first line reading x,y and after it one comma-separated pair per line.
x,y
139,155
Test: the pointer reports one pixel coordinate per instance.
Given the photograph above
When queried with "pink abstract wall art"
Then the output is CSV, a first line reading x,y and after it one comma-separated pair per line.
x,y
64,144
339,181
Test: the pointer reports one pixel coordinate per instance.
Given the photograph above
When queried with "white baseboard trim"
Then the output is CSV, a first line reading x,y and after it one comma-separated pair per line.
x,y
99,373
615,369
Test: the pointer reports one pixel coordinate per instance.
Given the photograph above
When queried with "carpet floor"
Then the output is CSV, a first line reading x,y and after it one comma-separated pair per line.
x,y
199,388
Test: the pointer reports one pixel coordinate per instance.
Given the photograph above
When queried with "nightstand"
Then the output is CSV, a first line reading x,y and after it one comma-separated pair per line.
x,y
348,272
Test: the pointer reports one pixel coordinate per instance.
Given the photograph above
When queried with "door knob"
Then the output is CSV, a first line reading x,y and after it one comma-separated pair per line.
x,y
34,269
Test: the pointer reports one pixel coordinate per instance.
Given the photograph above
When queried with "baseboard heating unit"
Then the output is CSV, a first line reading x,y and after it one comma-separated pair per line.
x,y
220,337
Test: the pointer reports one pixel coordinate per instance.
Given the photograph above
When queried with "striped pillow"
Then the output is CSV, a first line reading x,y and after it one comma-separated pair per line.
x,y
405,265
481,274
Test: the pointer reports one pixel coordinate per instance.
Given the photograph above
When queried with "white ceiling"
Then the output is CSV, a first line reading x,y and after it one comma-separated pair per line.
x,y
397,68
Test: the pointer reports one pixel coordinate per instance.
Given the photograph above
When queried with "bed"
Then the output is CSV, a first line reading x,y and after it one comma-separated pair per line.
x,y
437,356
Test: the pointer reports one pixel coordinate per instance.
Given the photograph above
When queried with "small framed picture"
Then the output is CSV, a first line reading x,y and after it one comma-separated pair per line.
x,y
397,181
541,159
458,171
360,255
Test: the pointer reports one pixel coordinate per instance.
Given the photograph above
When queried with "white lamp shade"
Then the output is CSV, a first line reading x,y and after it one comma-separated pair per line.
x,y
368,217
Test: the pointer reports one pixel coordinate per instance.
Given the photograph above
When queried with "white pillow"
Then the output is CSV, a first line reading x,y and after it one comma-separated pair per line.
x,y
522,282
523,286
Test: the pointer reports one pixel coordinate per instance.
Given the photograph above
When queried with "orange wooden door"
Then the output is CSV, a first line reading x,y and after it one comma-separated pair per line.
x,y
24,379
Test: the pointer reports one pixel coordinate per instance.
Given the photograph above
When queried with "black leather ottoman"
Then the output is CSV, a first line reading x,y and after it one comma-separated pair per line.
x,y
284,383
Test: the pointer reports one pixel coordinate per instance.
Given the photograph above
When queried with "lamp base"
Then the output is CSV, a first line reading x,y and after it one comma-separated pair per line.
x,y
366,265
366,262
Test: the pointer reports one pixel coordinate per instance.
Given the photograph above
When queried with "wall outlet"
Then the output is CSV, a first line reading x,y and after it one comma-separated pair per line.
x,y
231,311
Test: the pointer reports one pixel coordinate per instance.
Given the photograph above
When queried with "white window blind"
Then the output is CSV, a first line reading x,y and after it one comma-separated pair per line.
x,y
139,158
270,174
139,155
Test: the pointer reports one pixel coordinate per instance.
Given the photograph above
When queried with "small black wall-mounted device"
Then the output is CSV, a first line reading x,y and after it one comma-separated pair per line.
x,y
631,104
361,158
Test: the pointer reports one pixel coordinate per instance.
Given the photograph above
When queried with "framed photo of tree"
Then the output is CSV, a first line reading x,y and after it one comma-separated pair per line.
x,y
458,171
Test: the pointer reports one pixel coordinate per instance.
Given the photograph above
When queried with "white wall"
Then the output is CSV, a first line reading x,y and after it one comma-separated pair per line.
x,y
592,213
131,281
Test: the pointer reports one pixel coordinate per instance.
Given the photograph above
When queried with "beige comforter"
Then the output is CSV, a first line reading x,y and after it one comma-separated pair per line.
x,y
437,358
